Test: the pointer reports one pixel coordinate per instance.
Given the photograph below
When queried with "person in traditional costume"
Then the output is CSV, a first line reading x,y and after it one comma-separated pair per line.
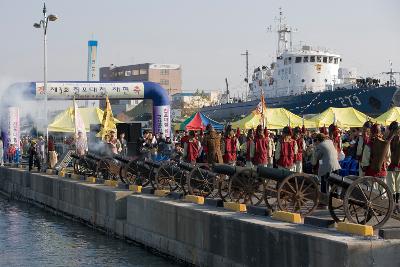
x,y
286,149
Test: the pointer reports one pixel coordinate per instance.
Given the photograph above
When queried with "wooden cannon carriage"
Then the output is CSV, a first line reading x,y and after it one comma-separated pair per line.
x,y
362,200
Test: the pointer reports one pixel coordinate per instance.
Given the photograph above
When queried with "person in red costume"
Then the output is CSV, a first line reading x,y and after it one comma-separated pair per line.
x,y
191,148
230,147
376,154
334,135
261,142
301,147
286,149
361,142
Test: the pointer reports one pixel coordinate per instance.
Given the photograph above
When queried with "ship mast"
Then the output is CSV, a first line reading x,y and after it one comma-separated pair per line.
x,y
284,34
247,71
391,73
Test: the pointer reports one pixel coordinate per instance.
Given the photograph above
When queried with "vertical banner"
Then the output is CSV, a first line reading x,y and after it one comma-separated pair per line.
x,y
162,120
12,127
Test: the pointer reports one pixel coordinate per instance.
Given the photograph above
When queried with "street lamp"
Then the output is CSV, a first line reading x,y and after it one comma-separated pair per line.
x,y
43,24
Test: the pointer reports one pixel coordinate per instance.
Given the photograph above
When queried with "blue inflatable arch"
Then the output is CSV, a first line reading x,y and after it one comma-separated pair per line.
x,y
67,90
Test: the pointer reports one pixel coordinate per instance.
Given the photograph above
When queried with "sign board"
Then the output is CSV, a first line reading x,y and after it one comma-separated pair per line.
x,y
69,90
161,120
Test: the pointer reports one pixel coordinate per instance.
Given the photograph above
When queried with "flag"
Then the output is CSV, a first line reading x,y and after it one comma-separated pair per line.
x,y
108,122
79,123
261,110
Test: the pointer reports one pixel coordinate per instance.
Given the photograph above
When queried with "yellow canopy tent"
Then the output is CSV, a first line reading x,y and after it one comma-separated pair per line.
x,y
342,117
64,122
275,118
389,116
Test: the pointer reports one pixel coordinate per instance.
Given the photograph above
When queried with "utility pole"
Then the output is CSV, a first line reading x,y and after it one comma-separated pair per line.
x,y
227,90
247,69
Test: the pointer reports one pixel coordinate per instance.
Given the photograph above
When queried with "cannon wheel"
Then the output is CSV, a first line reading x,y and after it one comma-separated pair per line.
x,y
335,203
246,187
168,178
298,193
368,200
103,170
271,195
201,183
131,173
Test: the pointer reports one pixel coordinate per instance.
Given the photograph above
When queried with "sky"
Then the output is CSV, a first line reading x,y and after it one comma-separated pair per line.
x,y
206,37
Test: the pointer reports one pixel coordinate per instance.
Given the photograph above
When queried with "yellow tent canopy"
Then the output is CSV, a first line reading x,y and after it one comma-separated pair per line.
x,y
275,118
389,116
64,122
343,117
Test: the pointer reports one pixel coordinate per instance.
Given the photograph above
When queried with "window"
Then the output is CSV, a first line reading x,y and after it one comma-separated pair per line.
x,y
298,60
164,82
164,72
326,80
142,71
313,80
302,80
335,60
319,59
128,73
312,59
289,60
120,73
305,59
135,72
330,59
325,59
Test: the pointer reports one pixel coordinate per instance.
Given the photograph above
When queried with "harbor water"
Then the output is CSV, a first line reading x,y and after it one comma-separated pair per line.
x,y
30,236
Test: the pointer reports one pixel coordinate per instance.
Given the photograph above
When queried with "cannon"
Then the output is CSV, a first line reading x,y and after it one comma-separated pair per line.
x,y
289,191
85,165
174,175
363,200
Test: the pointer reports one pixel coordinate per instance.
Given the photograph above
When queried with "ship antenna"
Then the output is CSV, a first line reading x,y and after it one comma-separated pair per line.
x,y
247,69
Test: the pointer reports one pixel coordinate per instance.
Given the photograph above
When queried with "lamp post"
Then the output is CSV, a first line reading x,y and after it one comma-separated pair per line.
x,y
43,24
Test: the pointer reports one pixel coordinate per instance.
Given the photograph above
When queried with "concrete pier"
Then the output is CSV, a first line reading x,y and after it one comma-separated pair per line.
x,y
197,234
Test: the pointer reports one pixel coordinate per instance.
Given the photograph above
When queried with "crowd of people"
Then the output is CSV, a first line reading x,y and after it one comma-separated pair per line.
x,y
376,148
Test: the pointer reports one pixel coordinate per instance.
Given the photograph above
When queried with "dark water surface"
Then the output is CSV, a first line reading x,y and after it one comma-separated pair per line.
x,y
30,236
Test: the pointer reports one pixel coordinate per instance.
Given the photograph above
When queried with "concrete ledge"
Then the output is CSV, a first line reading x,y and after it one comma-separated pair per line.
x,y
111,183
91,180
135,188
389,233
198,234
175,195
357,229
261,211
319,222
235,206
194,199
161,193
148,190
213,202
287,216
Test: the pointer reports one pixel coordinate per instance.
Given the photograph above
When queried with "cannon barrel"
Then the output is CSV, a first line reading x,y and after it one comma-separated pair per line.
x,y
75,156
152,163
339,180
227,169
93,156
186,166
273,173
121,158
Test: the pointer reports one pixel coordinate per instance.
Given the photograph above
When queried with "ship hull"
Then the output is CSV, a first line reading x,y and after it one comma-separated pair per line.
x,y
372,101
